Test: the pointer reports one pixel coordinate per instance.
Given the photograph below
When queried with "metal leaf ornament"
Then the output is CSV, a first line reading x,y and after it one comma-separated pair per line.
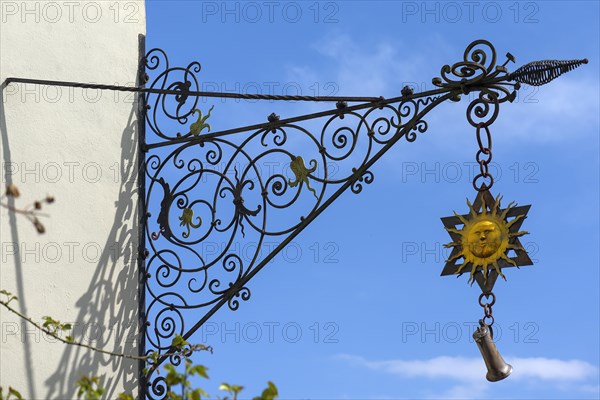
x,y
199,125
187,220
299,169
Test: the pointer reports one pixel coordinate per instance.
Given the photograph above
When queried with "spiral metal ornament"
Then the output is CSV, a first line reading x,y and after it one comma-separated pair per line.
x,y
479,73
539,73
178,108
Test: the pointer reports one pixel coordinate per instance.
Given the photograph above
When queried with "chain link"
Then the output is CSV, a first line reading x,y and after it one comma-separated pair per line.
x,y
487,308
485,149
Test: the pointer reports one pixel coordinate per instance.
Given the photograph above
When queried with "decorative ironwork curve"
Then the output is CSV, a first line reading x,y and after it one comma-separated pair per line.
x,y
539,73
214,191
478,72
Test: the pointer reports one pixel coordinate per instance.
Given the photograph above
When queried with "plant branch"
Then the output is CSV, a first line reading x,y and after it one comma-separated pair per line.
x,y
31,212
24,211
196,347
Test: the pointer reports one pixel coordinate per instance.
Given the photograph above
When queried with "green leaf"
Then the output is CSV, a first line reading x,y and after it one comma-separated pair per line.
x,y
270,393
50,324
10,297
236,389
66,327
124,396
197,394
172,396
178,342
69,339
198,370
90,388
15,393
232,389
173,376
169,368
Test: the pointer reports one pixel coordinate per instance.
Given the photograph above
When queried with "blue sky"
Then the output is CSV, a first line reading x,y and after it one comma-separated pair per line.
x,y
355,307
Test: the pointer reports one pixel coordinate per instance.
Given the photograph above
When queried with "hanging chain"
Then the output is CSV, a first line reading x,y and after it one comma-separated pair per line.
x,y
483,158
487,310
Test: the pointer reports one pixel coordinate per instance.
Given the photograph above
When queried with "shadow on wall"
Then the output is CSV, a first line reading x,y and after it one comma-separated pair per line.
x,y
109,308
14,234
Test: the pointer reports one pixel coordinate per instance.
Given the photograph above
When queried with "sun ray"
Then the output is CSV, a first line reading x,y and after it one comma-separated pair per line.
x,y
498,269
472,211
462,266
507,209
452,230
455,257
485,273
518,234
460,217
507,259
515,219
472,276
515,247
496,205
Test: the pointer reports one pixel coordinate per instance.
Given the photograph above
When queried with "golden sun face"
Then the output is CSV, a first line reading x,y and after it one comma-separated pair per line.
x,y
484,239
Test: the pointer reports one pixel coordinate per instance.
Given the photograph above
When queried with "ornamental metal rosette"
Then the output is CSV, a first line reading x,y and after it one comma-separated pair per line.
x,y
210,193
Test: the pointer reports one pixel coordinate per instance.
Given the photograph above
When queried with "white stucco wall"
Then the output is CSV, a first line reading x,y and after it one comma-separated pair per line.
x,y
79,146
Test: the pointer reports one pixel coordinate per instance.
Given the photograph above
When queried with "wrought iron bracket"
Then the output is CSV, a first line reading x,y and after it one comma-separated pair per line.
x,y
210,187
202,186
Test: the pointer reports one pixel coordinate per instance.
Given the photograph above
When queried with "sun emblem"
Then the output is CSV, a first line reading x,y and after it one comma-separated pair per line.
x,y
486,238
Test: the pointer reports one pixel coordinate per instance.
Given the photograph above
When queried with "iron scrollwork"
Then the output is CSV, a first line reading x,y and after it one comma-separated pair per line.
x,y
479,73
210,192
217,192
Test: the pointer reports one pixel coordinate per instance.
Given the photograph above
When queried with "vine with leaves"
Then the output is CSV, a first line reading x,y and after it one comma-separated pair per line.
x,y
90,387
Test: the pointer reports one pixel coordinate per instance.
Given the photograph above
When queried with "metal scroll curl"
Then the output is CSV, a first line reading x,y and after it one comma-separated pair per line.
x,y
178,107
479,74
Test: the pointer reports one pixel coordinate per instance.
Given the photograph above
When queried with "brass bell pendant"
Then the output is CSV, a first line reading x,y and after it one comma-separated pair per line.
x,y
497,368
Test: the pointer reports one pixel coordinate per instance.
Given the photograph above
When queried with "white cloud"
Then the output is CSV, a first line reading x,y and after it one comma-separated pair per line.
x,y
562,110
473,390
469,368
552,369
377,70
457,368
566,375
